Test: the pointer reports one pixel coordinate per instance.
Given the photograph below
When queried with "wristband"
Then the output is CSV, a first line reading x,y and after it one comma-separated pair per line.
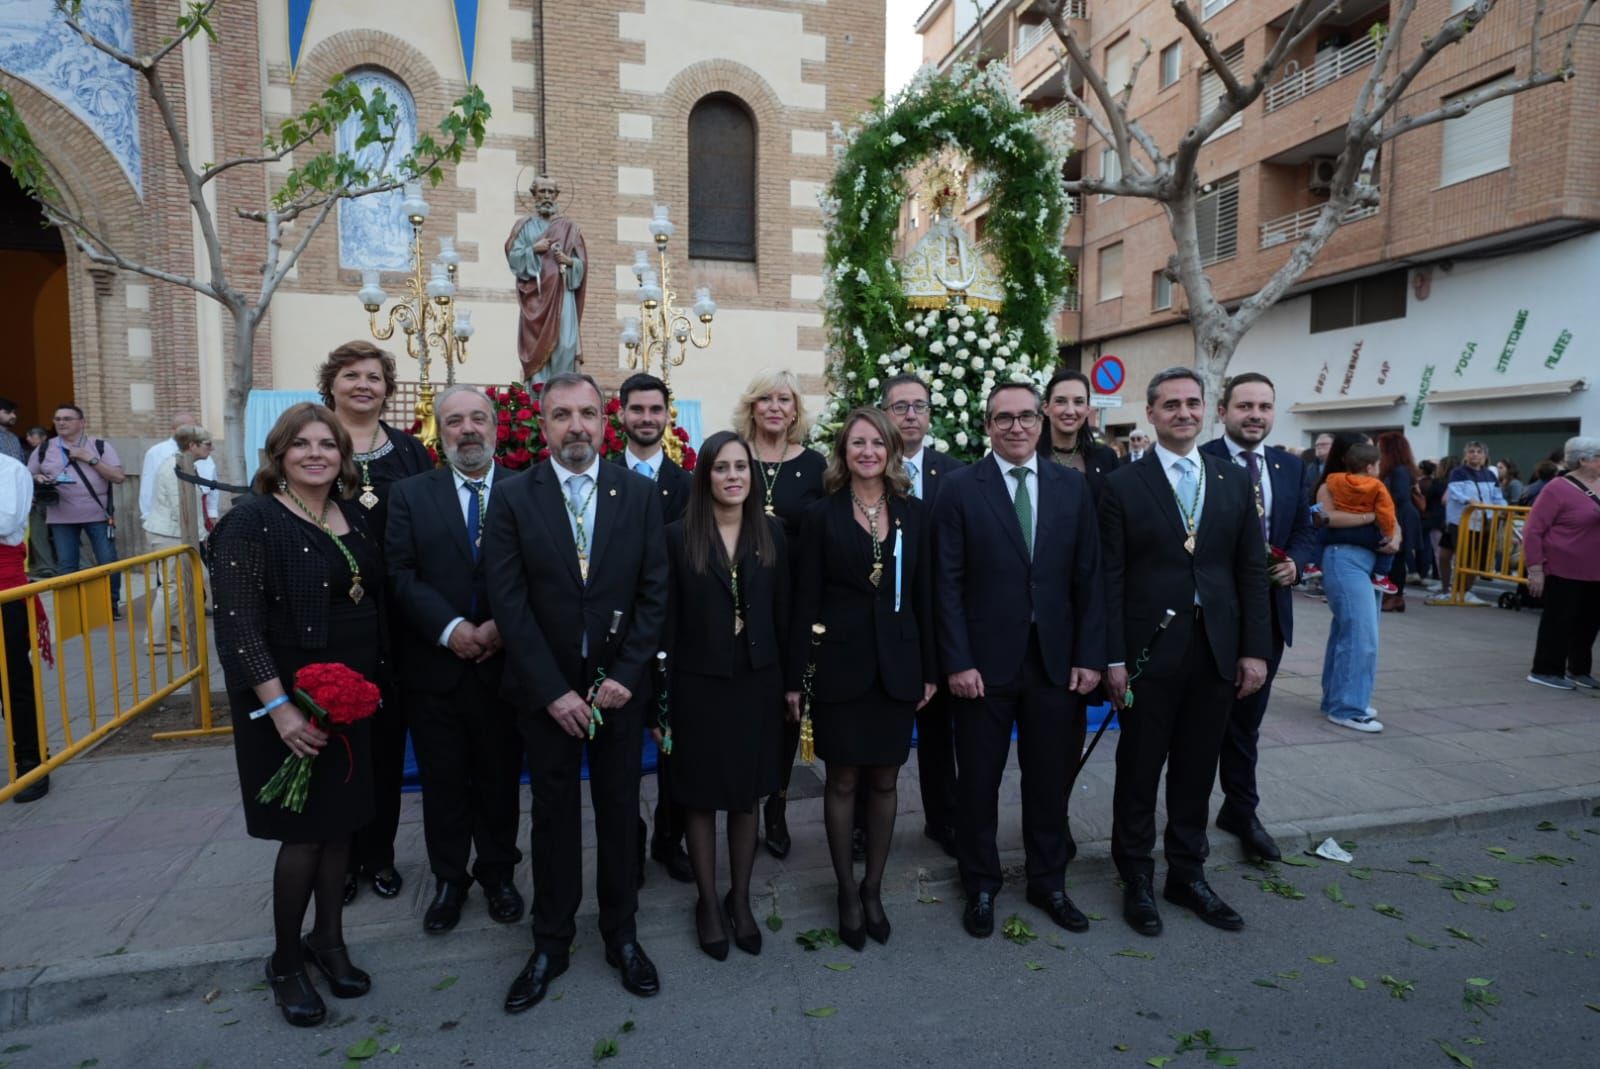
x,y
282,699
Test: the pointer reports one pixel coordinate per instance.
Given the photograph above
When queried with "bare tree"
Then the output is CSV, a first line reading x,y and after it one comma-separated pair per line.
x,y
305,197
1168,177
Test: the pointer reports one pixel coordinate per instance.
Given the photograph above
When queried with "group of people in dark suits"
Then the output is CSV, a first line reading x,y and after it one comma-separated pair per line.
x,y
557,614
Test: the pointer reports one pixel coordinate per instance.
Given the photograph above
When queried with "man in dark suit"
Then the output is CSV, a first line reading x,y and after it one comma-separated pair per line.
x,y
1138,446
907,399
646,414
1247,412
578,584
1180,534
1000,607
449,653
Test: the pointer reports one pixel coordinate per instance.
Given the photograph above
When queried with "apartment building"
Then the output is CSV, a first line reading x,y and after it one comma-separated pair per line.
x,y
1457,308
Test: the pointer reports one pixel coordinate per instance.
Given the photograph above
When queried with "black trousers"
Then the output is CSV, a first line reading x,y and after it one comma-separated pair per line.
x,y
556,846
372,848
469,755
936,762
22,714
1567,629
1177,721
1050,728
1237,764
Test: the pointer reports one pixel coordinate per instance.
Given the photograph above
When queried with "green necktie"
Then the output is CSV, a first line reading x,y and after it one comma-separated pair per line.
x,y
1024,505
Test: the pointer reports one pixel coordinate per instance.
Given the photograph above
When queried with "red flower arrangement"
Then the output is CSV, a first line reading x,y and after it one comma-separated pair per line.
x,y
520,441
334,696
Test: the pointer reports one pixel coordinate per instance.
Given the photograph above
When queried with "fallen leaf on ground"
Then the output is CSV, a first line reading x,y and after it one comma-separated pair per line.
x,y
1322,959
774,923
1358,983
823,1011
1388,910
1129,952
838,966
445,984
1417,940
1454,1055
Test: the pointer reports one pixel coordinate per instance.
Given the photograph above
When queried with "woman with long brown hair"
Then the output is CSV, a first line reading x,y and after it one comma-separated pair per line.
x,y
1398,470
865,574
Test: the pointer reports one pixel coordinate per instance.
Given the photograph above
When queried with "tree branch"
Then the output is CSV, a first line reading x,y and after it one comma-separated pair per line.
x,y
191,180
1190,20
95,246
275,157
1460,106
1115,114
272,279
127,59
198,17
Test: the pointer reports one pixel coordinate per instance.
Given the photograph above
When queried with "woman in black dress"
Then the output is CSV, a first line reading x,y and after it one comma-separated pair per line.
x,y
298,581
356,381
865,573
1068,438
772,418
727,628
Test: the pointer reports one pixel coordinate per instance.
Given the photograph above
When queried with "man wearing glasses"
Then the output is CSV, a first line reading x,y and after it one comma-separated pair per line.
x,y
83,470
1001,605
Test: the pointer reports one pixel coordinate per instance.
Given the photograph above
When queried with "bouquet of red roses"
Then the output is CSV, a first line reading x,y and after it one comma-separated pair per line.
x,y
1275,556
334,696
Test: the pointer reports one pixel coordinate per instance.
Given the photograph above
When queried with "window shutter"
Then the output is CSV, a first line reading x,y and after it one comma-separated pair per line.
x,y
1217,221
1479,142
722,180
1111,272
1119,64
1211,89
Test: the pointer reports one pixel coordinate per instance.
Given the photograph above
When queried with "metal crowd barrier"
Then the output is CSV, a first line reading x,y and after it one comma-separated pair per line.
x,y
1488,546
139,677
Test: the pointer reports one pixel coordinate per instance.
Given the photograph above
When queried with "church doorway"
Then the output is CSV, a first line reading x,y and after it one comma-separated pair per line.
x,y
37,370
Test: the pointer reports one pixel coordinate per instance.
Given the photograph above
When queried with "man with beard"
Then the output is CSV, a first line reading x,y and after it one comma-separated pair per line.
x,y
645,415
450,659
10,444
547,254
578,584
1247,412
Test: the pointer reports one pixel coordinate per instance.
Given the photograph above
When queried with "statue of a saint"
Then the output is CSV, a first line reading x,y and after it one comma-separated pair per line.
x,y
947,266
547,254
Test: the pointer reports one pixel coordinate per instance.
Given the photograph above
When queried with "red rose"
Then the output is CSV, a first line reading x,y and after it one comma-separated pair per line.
x,y
538,387
503,435
503,416
683,435
613,406
524,414
689,458
340,692
536,408
522,434
544,454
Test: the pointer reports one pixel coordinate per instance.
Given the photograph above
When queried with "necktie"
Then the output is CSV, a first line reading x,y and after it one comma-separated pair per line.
x,y
475,517
578,504
1187,485
911,470
644,469
1252,460
1024,505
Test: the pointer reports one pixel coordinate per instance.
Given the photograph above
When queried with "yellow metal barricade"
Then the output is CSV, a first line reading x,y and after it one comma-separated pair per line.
x,y
140,675
1488,546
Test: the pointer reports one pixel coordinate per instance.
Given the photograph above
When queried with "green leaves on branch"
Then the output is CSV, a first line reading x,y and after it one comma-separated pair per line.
x,y
19,151
194,22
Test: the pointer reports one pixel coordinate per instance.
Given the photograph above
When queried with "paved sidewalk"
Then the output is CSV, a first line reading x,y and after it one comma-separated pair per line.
x,y
135,874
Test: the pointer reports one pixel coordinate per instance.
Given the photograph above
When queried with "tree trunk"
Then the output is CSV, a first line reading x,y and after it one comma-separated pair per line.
x,y
1213,351
241,376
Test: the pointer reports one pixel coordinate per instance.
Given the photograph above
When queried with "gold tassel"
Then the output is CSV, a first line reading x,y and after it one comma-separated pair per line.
x,y
808,744
808,747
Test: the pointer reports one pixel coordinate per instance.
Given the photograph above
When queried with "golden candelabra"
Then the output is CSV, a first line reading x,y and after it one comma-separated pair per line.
x,y
661,331
427,314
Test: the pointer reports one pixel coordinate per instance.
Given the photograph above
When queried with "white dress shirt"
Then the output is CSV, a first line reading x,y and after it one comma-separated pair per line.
x,y
916,460
1238,451
464,497
16,499
1032,464
168,447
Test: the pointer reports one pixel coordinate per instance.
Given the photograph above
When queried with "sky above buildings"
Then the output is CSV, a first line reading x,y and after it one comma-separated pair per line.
x,y
902,51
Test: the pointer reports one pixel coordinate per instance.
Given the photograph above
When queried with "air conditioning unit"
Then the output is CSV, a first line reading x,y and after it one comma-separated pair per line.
x,y
1322,171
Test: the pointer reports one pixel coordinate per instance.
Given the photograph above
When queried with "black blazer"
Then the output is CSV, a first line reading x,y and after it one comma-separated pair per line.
x,y
866,639
1148,571
270,580
1100,462
1288,527
673,482
989,590
936,466
433,579
542,605
699,634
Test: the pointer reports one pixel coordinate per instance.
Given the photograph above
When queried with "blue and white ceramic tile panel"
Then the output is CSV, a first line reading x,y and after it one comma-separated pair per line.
x,y
37,46
373,231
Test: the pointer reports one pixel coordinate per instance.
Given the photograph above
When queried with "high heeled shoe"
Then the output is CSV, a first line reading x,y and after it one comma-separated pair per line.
x,y
854,938
750,944
299,1001
717,949
777,821
878,930
344,979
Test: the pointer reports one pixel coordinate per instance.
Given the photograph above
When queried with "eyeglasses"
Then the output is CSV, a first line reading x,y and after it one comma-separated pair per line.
x,y
1004,421
900,408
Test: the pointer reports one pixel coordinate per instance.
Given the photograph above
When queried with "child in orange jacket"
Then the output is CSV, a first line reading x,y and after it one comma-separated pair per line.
x,y
1358,489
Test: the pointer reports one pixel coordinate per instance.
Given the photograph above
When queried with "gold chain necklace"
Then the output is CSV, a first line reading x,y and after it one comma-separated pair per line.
x,y
872,514
357,591
769,477
738,617
368,498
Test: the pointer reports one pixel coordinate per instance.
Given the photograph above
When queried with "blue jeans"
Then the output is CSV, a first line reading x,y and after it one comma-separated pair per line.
x,y
66,538
1351,659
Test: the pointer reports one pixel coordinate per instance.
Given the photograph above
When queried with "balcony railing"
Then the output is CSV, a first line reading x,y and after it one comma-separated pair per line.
x,y
1330,65
1075,202
1069,300
1065,111
1297,225
1031,35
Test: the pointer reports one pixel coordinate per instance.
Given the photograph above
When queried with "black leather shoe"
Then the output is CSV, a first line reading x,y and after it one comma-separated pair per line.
x,y
1060,908
299,1001
1139,905
533,982
750,944
505,901
978,917
854,938
716,949
1253,838
778,841
674,858
878,929
444,912
344,979
351,887
638,971
33,792
944,836
1198,896
386,883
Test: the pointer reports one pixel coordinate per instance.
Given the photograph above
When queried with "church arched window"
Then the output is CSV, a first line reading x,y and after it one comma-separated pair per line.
x,y
373,231
722,179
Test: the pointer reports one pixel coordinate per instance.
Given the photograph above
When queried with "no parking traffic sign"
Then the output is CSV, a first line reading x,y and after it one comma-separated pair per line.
x,y
1108,374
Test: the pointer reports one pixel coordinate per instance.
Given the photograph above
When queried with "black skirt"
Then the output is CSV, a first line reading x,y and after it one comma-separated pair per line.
x,y
340,799
727,736
873,729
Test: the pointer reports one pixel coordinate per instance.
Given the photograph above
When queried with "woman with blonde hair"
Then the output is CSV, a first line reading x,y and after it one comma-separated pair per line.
x,y
771,416
864,572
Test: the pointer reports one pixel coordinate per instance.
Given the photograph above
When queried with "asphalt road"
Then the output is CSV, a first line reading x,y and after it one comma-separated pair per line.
x,y
1483,945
